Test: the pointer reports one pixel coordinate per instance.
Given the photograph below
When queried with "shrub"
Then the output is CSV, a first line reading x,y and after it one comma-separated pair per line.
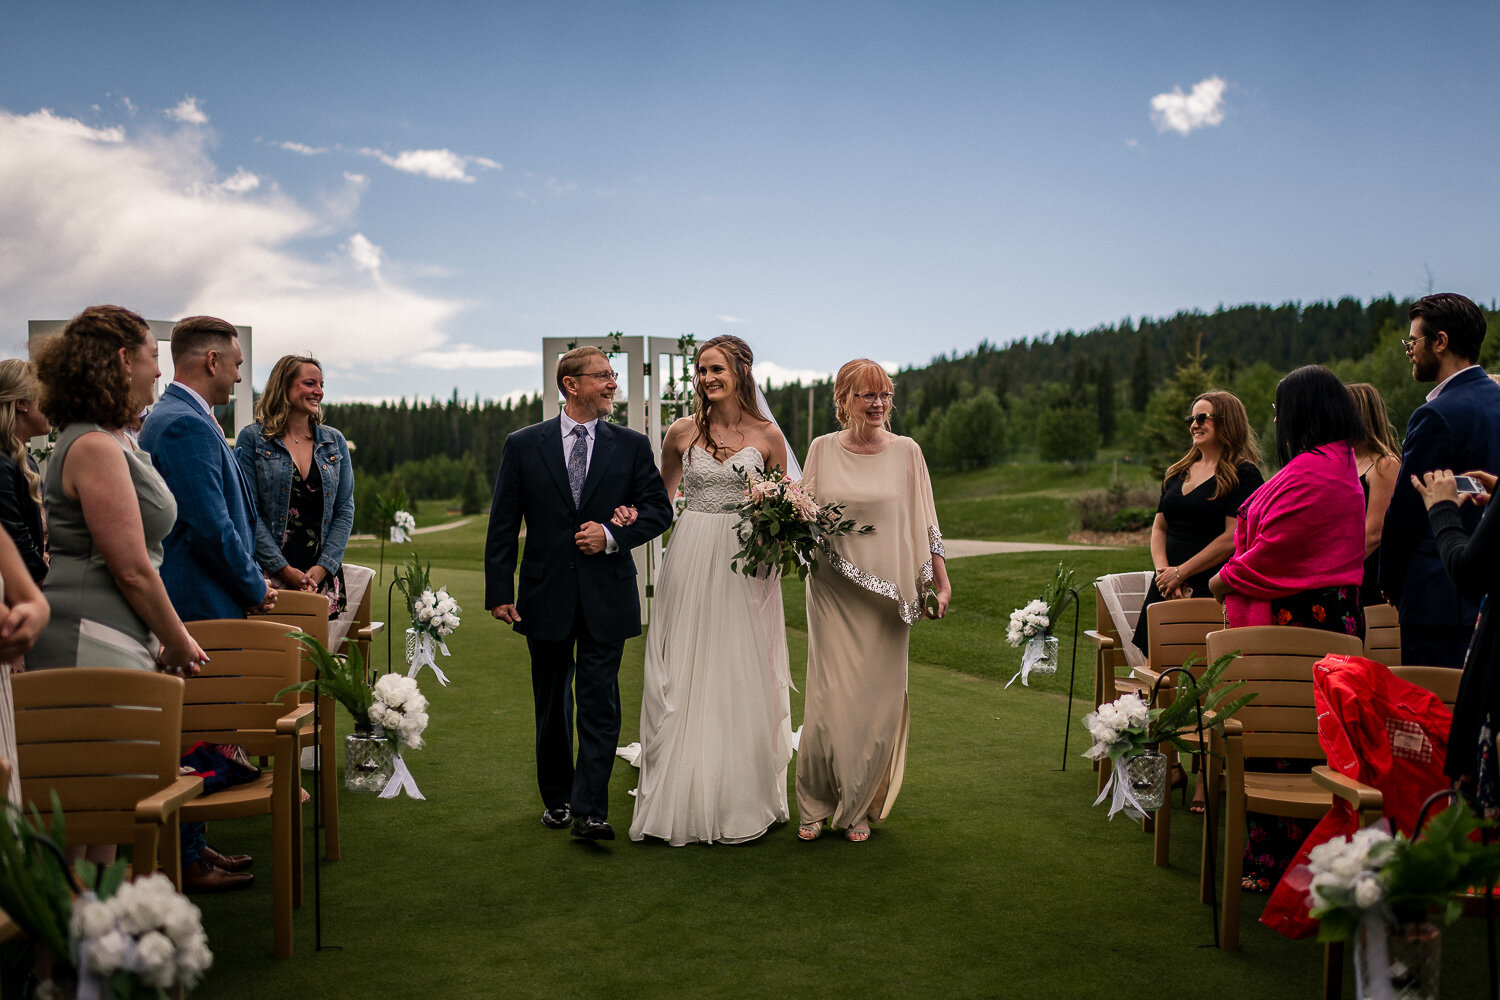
x,y
1132,519
1067,434
971,433
1097,511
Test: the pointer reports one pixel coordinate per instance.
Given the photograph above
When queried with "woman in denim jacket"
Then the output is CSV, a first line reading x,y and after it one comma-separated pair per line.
x,y
302,480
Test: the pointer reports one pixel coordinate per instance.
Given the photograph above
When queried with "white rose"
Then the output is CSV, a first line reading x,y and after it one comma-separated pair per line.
x,y
154,954
390,719
92,919
1367,892
107,953
194,958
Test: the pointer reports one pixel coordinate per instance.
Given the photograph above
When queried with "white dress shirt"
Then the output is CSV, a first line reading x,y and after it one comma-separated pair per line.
x,y
590,430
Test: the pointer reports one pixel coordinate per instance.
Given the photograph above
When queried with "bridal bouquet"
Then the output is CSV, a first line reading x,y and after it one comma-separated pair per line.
x,y
434,617
1128,728
1031,626
782,525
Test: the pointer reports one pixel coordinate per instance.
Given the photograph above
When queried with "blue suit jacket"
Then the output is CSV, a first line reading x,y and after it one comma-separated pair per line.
x,y
557,580
208,562
1460,430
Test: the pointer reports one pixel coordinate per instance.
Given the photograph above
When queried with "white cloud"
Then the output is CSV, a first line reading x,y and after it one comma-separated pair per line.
x,y
241,182
301,148
366,255
96,215
1183,113
770,371
730,319
439,164
468,356
187,112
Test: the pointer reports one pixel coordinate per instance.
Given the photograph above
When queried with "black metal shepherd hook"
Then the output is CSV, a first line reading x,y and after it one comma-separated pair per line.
x,y
1210,829
1487,834
1072,593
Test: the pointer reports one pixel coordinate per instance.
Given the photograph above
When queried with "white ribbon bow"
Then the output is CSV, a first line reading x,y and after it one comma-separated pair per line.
x,y
1123,795
401,781
399,535
1372,963
419,653
1032,654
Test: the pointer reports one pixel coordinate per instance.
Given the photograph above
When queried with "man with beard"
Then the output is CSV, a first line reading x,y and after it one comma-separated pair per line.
x,y
1458,428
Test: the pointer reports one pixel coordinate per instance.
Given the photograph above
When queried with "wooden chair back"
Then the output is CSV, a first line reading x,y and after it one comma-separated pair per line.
x,y
1178,630
1383,634
103,739
305,612
1275,662
1441,681
234,699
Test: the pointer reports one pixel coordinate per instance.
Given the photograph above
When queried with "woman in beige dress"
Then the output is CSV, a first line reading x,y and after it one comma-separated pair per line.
x,y
867,593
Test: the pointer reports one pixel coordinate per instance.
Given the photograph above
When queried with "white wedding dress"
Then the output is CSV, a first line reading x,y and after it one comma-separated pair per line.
x,y
716,733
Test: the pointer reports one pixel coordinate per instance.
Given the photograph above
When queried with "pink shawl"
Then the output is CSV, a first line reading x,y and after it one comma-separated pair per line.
x,y
1303,530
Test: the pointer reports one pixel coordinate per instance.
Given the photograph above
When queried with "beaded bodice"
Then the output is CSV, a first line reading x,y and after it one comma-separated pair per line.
x,y
711,486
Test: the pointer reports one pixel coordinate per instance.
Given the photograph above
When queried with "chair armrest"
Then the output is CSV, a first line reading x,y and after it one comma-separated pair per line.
x,y
1361,796
1100,639
296,720
164,803
370,631
1234,728
1145,675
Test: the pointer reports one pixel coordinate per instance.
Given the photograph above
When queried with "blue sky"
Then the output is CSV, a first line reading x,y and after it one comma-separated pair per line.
x,y
419,194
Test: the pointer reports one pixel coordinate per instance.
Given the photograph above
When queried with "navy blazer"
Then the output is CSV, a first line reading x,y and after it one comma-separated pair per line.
x,y
557,580
1460,430
208,558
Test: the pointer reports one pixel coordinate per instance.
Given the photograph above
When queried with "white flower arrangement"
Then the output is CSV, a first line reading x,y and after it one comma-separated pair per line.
x,y
1028,623
1118,727
401,708
402,525
146,930
435,613
1346,870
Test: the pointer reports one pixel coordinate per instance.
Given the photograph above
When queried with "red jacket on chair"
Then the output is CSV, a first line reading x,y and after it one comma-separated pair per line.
x,y
1375,727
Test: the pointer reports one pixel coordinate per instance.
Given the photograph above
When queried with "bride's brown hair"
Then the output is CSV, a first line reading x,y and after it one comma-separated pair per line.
x,y
741,360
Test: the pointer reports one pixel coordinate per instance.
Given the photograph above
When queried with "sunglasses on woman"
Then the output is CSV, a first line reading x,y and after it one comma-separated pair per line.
x,y
1193,420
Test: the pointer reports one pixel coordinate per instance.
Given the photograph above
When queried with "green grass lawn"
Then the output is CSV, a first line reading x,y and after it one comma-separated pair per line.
x,y
994,877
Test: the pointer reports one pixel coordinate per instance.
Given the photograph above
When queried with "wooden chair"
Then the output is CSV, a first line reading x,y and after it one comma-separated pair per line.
x,y
234,701
355,625
1369,803
1383,634
1275,662
1178,630
106,740
308,613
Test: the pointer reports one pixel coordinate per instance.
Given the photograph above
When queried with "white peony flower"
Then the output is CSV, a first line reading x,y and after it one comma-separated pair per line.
x,y
106,954
390,718
1368,892
92,919
1136,711
154,959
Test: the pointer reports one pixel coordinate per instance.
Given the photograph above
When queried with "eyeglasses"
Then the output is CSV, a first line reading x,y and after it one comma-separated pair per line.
x,y
1194,419
611,376
1410,346
871,398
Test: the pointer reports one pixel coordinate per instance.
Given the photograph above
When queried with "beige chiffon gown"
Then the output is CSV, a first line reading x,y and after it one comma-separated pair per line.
x,y
861,604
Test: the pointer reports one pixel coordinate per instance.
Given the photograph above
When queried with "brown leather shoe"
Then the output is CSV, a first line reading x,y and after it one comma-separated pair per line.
x,y
203,877
228,862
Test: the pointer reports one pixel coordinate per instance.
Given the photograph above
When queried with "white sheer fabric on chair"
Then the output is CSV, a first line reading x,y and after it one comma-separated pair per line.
x,y
357,580
1123,594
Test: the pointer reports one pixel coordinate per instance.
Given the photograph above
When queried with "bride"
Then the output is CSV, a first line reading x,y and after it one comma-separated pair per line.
x,y
716,732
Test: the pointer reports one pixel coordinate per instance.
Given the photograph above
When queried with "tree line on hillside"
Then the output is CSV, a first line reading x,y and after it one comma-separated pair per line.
x,y
1122,387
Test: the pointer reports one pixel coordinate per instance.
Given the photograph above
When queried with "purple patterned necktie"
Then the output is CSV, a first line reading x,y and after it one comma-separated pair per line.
x,y
578,461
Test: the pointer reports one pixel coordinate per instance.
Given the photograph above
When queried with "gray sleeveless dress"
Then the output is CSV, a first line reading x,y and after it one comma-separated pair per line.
x,y
93,625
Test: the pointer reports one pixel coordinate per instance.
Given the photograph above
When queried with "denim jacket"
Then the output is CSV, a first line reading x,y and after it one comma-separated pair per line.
x,y
267,466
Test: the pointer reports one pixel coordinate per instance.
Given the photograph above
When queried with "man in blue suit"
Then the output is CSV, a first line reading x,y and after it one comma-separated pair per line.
x,y
577,604
208,559
1458,428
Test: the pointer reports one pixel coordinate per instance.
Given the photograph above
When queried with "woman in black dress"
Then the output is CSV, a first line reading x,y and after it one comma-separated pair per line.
x,y
20,482
1193,534
1378,459
303,482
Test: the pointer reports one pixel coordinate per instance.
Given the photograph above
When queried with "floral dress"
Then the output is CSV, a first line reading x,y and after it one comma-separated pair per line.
x,y
301,544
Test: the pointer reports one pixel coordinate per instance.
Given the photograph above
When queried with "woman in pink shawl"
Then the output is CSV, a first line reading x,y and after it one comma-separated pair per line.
x,y
1299,543
1299,553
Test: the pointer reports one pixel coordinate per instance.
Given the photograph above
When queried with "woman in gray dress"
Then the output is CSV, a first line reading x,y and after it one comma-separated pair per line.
x,y
107,508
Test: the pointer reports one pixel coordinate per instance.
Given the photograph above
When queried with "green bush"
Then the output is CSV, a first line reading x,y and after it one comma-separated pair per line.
x,y
1067,434
971,433
1133,519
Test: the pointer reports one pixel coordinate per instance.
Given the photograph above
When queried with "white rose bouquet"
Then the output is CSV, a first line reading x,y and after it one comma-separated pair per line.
x,y
402,525
401,709
434,617
142,940
1028,622
782,524
1031,626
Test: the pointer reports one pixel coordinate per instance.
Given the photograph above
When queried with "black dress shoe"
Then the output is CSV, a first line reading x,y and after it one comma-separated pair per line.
x,y
593,828
228,862
203,877
557,819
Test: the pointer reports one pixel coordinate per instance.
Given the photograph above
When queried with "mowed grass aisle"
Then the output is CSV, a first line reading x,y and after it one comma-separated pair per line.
x,y
994,877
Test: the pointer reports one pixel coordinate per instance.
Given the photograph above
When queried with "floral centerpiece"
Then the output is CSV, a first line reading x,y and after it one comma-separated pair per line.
x,y
434,617
782,525
389,715
1031,626
1382,891
1127,731
130,940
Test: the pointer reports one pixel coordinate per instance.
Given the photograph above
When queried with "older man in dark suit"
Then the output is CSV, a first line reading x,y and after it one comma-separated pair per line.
x,y
577,604
1458,428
